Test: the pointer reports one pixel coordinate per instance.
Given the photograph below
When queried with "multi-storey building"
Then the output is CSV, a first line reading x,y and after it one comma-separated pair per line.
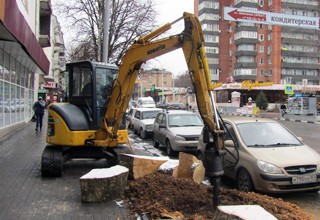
x,y
26,54
241,51
153,82
260,52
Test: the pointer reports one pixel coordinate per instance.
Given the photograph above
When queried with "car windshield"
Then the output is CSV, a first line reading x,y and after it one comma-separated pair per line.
x,y
149,114
147,102
184,120
270,134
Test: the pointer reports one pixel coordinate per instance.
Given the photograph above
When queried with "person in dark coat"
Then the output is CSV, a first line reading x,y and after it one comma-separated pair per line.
x,y
38,108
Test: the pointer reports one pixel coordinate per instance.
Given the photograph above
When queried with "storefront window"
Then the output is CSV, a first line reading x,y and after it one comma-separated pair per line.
x,y
1,63
13,74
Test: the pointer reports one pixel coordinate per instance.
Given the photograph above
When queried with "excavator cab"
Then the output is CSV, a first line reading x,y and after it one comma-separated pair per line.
x,y
90,86
73,125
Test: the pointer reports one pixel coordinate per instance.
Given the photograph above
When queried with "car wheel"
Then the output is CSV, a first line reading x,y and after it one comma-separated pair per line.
x,y
244,181
134,130
142,134
169,149
155,143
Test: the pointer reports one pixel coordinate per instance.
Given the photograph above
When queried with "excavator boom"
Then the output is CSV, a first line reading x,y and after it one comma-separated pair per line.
x,y
191,41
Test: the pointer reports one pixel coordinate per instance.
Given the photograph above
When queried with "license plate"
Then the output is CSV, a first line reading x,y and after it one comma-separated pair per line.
x,y
304,179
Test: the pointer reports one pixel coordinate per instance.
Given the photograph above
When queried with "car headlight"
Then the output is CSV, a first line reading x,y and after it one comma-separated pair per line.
x,y
179,138
149,126
268,167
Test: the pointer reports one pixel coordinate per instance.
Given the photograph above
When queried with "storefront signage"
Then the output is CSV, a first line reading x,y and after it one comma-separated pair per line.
x,y
249,85
50,85
216,85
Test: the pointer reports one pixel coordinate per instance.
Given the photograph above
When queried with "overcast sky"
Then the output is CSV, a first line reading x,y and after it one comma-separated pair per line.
x,y
170,10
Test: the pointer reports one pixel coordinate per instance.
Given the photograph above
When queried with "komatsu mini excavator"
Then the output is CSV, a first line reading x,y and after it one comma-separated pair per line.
x,y
89,124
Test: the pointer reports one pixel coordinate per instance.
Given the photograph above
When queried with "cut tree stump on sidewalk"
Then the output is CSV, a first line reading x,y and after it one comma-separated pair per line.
x,y
106,184
140,166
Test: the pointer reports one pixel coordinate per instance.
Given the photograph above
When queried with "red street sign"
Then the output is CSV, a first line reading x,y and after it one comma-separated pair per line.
x,y
263,17
247,15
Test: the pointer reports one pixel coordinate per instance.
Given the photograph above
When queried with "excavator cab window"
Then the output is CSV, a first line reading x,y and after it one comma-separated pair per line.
x,y
90,88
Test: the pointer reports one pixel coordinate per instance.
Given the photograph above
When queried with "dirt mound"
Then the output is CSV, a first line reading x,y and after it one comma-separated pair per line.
x,y
159,195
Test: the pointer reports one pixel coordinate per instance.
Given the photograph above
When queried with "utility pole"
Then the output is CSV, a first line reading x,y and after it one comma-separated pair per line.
x,y
105,31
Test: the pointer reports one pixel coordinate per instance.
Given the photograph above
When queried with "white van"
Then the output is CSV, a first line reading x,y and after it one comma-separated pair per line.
x,y
146,102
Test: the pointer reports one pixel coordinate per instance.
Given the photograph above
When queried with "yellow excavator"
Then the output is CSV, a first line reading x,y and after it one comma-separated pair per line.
x,y
89,124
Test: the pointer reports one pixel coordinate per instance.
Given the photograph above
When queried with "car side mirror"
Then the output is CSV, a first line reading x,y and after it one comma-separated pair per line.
x,y
162,126
229,143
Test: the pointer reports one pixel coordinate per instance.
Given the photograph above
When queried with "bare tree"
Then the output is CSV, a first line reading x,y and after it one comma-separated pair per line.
x,y
129,19
183,80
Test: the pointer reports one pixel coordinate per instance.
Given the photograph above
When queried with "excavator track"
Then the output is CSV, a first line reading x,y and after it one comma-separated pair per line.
x,y
51,161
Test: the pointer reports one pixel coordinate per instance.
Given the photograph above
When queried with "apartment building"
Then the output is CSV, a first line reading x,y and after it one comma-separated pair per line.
x,y
242,51
26,54
153,83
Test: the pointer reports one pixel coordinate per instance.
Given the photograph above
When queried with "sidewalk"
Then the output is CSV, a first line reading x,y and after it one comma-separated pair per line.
x,y
277,116
24,194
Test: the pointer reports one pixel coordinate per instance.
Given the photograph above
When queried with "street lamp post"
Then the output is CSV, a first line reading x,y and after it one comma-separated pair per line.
x,y
162,91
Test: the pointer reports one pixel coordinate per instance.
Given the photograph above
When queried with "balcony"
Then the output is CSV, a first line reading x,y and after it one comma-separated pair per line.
x,y
45,23
246,41
245,65
44,40
45,7
285,64
246,53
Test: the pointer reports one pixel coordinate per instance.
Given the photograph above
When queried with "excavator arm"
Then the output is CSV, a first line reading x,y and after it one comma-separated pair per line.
x,y
191,41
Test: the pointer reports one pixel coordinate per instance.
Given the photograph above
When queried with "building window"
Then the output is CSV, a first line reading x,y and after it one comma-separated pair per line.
x,y
261,26
269,37
261,49
270,2
261,60
269,60
212,50
270,72
261,72
261,37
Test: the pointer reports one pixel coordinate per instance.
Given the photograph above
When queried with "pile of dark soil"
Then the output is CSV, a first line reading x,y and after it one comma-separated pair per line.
x,y
163,196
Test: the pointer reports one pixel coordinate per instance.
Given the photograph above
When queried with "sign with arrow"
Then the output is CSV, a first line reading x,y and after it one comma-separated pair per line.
x,y
262,17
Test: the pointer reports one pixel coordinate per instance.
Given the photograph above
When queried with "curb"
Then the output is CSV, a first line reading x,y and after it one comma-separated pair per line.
x,y
275,118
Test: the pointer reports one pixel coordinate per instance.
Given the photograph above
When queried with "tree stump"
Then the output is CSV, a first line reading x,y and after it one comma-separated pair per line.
x,y
190,167
139,166
101,185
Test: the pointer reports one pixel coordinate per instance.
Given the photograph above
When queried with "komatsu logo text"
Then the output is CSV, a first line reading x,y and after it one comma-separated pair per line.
x,y
160,47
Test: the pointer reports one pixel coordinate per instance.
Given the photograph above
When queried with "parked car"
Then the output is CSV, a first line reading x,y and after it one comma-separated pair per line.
x,y
163,105
271,158
177,130
129,117
142,121
146,102
5,106
177,106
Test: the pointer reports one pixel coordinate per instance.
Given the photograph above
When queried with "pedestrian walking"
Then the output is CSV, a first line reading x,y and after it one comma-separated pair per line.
x,y
38,108
283,110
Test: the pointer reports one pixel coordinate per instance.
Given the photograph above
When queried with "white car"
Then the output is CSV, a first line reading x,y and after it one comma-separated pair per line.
x,y
142,121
